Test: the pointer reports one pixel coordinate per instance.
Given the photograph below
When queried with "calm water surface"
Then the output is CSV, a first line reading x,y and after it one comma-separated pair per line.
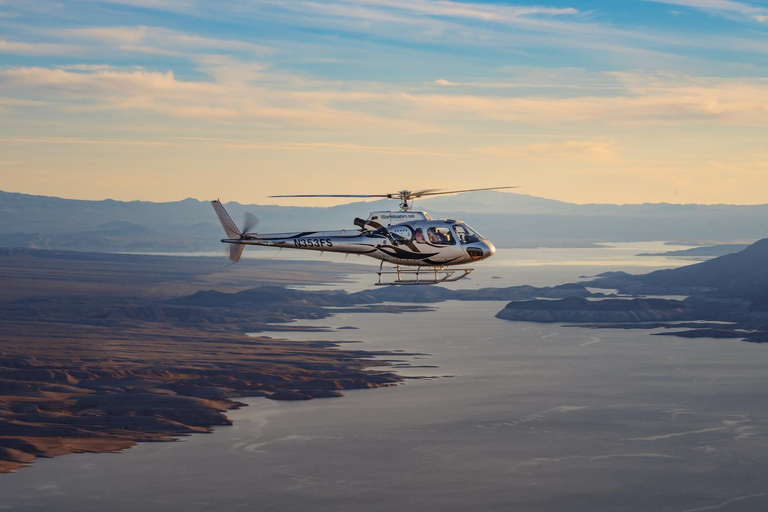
x,y
514,417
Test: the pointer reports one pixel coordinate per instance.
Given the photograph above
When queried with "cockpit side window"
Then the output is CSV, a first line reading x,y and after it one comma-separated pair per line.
x,y
466,234
440,236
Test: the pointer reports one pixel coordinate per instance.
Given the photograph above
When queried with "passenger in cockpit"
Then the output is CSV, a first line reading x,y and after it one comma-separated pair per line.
x,y
439,236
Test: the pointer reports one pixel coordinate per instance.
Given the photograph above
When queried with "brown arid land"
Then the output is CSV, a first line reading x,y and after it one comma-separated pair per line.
x,y
96,356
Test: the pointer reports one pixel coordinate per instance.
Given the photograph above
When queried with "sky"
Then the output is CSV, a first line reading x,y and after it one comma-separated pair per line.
x,y
609,101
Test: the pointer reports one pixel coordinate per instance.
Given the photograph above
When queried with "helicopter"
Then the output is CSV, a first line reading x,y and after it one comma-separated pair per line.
x,y
404,238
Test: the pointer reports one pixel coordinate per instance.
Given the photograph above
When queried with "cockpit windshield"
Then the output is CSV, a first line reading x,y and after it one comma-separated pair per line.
x,y
466,234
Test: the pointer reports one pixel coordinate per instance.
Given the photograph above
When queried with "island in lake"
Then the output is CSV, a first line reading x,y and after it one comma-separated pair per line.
x,y
727,297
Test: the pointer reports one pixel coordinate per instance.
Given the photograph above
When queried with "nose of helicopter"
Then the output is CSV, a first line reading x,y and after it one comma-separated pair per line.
x,y
489,249
481,250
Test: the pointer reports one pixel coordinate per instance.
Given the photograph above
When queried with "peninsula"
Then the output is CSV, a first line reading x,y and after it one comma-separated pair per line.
x,y
95,356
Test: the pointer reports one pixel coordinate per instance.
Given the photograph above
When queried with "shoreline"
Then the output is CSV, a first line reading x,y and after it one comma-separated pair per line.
x,y
95,358
164,385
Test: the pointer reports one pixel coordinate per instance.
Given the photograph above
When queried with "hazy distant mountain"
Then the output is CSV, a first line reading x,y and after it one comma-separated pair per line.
x,y
490,201
742,275
509,219
731,289
709,251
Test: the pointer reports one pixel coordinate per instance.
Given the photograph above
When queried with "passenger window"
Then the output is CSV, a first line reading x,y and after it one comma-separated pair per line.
x,y
440,236
401,234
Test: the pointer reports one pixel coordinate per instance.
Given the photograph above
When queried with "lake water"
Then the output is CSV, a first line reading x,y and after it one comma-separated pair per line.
x,y
514,417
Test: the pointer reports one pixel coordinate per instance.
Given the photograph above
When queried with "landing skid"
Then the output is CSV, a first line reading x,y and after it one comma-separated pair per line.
x,y
430,275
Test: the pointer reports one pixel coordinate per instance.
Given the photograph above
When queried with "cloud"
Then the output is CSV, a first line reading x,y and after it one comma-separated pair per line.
x,y
250,93
316,146
98,80
445,22
589,151
21,48
536,29
464,10
343,148
532,30
759,14
159,40
644,99
79,141
15,102
98,88
172,5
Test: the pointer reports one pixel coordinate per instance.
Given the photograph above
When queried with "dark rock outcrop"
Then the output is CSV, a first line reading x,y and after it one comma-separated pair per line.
x,y
578,310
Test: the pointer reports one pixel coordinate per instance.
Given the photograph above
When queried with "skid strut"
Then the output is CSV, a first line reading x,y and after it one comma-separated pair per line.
x,y
430,275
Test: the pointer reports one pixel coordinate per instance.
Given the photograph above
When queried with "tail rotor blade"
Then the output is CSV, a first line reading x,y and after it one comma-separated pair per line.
x,y
250,222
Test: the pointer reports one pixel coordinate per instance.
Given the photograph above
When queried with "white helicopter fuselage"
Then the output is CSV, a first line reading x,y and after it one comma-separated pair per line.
x,y
402,238
401,244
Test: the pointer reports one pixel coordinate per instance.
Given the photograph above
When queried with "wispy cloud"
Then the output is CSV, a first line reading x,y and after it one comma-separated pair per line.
x,y
745,10
159,40
230,100
22,48
729,103
78,141
535,29
229,144
588,151
153,4
17,102
344,148
465,10
252,95
442,21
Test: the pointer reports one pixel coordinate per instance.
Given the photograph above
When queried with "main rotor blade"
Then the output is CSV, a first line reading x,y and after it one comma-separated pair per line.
x,y
336,195
420,193
399,195
430,193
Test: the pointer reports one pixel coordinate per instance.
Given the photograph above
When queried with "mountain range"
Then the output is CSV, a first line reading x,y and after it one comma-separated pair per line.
x,y
509,219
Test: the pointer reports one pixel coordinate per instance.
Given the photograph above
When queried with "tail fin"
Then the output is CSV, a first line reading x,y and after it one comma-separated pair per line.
x,y
235,251
230,228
